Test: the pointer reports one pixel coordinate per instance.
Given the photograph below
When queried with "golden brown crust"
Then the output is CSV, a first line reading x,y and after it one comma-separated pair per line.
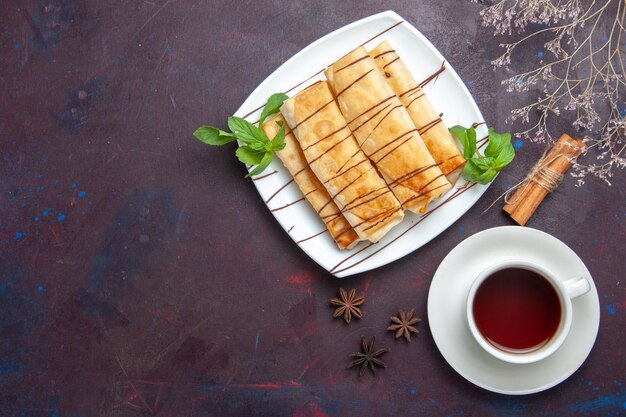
x,y
339,164
385,131
293,159
438,140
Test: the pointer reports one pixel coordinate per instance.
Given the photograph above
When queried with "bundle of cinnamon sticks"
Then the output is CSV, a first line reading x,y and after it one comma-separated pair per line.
x,y
543,178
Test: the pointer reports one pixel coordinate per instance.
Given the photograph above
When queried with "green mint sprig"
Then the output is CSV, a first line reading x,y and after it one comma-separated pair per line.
x,y
498,154
256,148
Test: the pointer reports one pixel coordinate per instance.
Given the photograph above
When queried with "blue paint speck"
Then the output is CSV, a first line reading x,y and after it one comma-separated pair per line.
x,y
470,82
36,219
157,305
622,111
19,235
16,44
44,213
82,193
41,288
540,54
182,231
508,186
461,228
74,185
518,144
413,391
611,308
61,217
605,39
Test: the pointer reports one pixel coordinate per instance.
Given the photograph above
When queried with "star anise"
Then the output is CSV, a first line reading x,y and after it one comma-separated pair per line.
x,y
347,305
368,357
403,324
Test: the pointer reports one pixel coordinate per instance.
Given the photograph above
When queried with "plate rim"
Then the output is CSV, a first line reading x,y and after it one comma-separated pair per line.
x,y
246,110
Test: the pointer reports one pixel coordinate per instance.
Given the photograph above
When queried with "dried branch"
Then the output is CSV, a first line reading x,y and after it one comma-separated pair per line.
x,y
583,75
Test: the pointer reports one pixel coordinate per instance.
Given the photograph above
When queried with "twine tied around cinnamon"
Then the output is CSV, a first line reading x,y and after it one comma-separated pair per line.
x,y
540,174
522,199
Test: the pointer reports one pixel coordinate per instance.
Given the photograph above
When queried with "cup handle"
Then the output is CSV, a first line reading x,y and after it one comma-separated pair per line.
x,y
577,286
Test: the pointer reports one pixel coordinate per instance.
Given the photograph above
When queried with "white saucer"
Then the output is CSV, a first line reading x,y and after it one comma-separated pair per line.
x,y
448,323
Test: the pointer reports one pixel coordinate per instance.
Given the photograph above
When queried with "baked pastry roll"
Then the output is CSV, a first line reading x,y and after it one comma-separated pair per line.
x,y
385,131
438,140
339,164
315,193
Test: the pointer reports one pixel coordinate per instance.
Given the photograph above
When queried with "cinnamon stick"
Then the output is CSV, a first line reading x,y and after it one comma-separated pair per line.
x,y
543,179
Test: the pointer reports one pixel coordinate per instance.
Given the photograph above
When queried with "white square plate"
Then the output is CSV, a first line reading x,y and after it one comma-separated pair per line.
x,y
447,93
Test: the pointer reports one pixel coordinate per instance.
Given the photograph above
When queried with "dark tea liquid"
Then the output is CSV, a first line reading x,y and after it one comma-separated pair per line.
x,y
517,310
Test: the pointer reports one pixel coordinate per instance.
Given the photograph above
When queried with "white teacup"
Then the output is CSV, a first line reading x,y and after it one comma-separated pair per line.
x,y
566,291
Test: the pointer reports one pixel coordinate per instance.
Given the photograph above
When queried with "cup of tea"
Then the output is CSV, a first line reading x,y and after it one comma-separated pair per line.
x,y
519,312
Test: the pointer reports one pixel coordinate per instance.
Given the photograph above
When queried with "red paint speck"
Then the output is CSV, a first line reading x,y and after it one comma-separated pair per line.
x,y
270,385
302,279
310,409
367,284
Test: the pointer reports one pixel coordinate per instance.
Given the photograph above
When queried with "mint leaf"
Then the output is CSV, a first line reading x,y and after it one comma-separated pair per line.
x,y
265,161
506,156
485,163
471,171
498,154
497,141
462,134
486,177
256,148
278,142
213,136
471,140
272,106
248,155
246,131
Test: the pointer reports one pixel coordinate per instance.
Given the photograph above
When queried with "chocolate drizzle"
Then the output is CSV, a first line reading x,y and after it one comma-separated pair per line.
x,y
391,62
334,270
384,117
430,125
339,142
384,31
264,176
384,53
312,114
324,138
352,63
394,148
374,115
434,75
322,70
411,174
372,108
346,163
278,191
427,80
354,82
287,205
351,206
311,237
415,98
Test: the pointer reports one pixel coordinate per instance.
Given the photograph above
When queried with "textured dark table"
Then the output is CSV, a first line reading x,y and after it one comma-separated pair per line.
x,y
141,274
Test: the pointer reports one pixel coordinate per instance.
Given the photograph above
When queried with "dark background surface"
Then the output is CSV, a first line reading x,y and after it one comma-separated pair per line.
x,y
141,274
